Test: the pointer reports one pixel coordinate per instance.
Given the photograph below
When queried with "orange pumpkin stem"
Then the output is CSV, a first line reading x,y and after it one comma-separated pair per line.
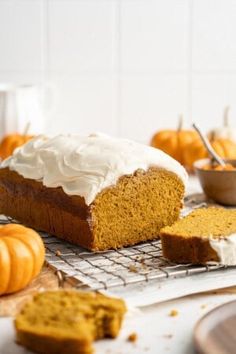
x,y
226,116
27,128
212,136
181,122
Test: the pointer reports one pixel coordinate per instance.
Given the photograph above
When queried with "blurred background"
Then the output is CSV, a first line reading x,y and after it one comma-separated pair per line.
x,y
122,67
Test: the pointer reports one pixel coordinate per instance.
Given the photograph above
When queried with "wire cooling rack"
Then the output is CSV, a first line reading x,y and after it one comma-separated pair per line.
x,y
105,270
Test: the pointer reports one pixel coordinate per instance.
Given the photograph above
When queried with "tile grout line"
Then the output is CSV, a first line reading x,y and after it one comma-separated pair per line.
x,y
45,51
119,84
190,63
129,74
43,41
116,68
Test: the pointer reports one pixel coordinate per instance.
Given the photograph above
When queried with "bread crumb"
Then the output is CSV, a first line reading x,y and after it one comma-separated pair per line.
x,y
174,313
58,253
132,337
168,336
133,269
203,306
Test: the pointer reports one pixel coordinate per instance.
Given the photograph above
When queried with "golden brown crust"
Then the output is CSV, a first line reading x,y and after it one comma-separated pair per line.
x,y
45,209
132,211
43,344
196,250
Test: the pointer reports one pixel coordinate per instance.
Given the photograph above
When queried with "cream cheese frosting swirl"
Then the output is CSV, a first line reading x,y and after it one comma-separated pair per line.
x,y
85,165
225,247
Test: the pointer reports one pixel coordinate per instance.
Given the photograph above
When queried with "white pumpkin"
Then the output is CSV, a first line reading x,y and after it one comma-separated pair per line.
x,y
226,131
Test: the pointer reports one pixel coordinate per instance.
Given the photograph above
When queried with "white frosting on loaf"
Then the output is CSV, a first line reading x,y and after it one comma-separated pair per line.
x,y
84,166
225,248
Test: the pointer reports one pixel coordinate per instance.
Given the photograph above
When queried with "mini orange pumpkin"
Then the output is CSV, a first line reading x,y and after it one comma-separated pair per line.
x,y
226,148
11,142
174,142
195,151
21,257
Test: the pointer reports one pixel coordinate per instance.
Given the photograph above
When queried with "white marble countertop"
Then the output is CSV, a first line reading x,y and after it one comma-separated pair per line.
x,y
157,331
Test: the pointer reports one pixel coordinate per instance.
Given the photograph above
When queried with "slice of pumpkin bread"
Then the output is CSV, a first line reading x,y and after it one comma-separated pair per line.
x,y
205,235
67,322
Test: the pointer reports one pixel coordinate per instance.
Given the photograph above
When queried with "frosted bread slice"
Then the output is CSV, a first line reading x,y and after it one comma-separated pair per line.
x,y
205,235
67,322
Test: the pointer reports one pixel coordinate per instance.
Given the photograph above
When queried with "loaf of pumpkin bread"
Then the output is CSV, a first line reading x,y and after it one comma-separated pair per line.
x,y
98,192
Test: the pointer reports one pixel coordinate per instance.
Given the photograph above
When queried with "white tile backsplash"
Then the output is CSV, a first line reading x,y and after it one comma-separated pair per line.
x,y
82,105
214,28
80,36
209,99
20,35
230,97
153,35
151,103
21,77
124,67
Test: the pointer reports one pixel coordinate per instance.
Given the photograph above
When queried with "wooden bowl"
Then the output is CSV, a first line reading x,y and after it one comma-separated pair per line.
x,y
217,185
